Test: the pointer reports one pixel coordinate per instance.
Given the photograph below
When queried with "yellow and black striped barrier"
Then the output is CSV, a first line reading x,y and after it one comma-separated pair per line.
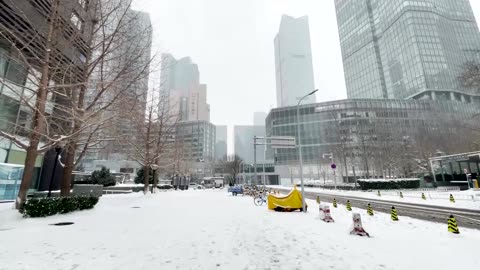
x,y
452,225
318,199
394,214
423,196
369,210
378,193
452,200
349,206
401,194
334,203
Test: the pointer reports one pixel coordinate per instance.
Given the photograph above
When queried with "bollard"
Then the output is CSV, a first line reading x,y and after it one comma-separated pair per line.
x,y
349,206
394,214
423,196
318,199
369,210
334,203
401,194
357,226
325,213
452,200
378,193
452,225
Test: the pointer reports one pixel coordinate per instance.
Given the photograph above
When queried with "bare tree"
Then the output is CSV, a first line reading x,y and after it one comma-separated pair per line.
x,y
470,77
232,166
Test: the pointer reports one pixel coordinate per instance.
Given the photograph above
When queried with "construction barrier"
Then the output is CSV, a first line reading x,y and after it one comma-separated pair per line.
x,y
325,213
369,210
452,199
423,196
349,206
452,225
334,203
394,214
357,226
318,199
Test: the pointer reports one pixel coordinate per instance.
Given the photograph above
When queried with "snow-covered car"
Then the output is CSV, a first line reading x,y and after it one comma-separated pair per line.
x,y
195,186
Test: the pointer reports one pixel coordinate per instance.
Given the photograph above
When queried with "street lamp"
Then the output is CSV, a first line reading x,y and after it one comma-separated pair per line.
x,y
300,158
154,168
58,150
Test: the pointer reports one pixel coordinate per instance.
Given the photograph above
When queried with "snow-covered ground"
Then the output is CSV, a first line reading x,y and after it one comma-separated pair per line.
x,y
463,199
208,229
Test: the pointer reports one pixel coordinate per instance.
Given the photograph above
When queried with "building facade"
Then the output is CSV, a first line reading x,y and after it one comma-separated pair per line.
x,y
180,82
396,49
196,141
221,141
377,136
24,26
293,61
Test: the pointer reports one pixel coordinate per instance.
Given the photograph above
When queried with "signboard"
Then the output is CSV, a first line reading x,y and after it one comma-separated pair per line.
x,y
283,142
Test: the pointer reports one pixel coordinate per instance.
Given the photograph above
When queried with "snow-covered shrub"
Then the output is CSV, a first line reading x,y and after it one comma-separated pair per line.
x,y
42,207
103,177
388,184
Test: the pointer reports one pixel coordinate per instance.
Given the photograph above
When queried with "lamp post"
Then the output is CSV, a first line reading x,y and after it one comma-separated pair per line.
x,y
154,168
58,150
300,158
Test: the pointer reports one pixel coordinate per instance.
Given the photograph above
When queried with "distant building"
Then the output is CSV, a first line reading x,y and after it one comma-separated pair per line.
x,y
396,49
293,61
180,82
196,141
377,136
221,141
259,118
243,136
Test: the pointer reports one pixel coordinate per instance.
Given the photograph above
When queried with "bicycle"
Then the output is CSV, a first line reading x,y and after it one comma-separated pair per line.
x,y
259,199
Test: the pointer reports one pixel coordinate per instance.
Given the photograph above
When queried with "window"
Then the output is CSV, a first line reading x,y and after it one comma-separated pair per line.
x,y
75,19
126,170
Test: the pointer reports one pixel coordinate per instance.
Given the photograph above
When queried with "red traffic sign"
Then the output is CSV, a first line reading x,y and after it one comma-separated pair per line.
x,y
333,166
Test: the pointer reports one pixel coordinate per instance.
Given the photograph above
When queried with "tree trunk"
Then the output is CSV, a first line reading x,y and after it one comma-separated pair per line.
x,y
38,124
146,177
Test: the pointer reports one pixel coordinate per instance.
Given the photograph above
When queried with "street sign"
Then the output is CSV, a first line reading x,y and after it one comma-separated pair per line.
x,y
283,142
333,166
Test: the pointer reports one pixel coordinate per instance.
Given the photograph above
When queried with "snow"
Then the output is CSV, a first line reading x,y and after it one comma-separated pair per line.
x,y
468,199
209,229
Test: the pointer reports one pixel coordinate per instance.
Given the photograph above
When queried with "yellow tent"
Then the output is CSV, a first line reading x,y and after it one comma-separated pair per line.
x,y
291,202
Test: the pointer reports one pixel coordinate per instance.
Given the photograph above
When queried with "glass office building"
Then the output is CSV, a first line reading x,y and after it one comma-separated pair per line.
x,y
197,139
363,131
407,49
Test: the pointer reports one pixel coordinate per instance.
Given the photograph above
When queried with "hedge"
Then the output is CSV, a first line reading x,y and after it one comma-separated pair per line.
x,y
42,207
397,184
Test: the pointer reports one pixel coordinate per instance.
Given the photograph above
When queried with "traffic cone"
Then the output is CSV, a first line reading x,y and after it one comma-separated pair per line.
x,y
423,196
394,214
452,225
357,226
334,203
378,193
452,200
318,199
325,213
369,210
401,194
349,206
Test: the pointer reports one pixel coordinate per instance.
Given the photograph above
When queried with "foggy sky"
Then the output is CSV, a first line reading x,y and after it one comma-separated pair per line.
x,y
232,42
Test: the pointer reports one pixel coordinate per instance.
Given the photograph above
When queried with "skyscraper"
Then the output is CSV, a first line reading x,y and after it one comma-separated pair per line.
x,y
293,61
220,142
407,49
180,82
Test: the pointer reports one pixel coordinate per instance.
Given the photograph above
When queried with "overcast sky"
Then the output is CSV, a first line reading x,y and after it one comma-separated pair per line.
x,y
232,43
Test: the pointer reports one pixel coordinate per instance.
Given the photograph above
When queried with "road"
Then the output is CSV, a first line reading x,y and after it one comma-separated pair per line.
x,y
467,218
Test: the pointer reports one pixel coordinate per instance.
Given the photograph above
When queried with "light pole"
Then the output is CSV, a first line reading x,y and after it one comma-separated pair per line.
x,y
154,168
300,158
58,150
